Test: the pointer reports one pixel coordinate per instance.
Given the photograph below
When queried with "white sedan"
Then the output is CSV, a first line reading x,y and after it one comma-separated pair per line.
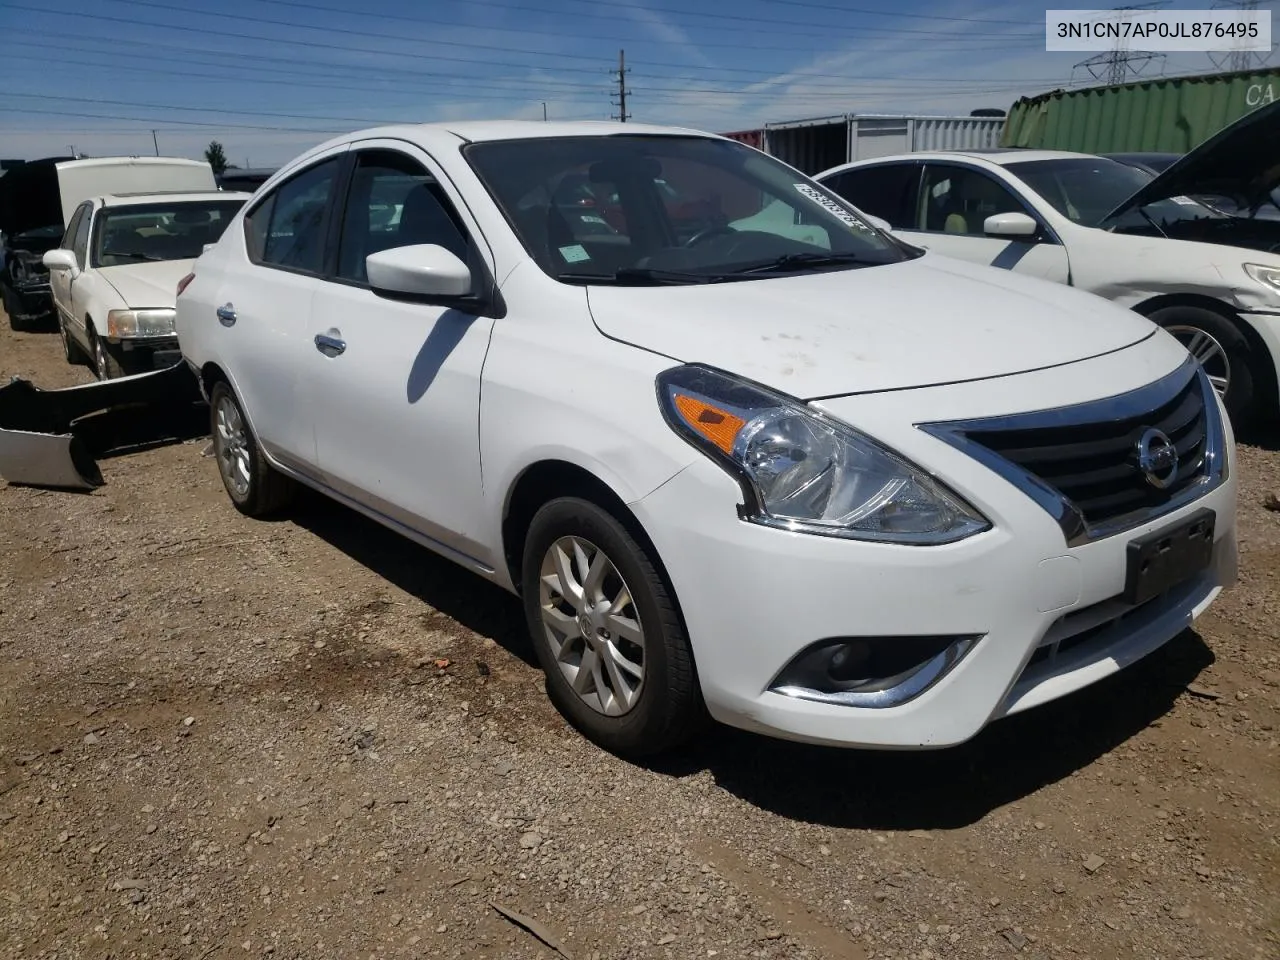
x,y
115,274
1210,278
810,481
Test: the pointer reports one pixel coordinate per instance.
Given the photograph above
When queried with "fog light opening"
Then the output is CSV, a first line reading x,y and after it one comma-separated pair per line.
x,y
871,671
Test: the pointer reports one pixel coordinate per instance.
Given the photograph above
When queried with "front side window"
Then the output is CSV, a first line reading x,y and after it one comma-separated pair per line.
x,y
287,229
675,209
959,200
393,202
177,230
80,242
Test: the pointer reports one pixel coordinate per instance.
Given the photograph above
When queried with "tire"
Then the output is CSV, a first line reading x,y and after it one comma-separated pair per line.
x,y
254,486
628,717
106,359
1225,352
70,349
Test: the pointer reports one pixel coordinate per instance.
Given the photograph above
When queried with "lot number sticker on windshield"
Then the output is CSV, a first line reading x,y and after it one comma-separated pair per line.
x,y
833,208
574,253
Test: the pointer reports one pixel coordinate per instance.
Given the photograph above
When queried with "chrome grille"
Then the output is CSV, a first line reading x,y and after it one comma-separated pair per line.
x,y
1095,465
1081,462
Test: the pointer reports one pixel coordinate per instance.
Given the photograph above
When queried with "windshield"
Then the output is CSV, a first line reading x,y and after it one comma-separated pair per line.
x,y
177,230
1087,189
669,209
1084,190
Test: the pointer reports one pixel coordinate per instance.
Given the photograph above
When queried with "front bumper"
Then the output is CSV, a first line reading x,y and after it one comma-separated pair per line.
x,y
153,353
28,300
1048,615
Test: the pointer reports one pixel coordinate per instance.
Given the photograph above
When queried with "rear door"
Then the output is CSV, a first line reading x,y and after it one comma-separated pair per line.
x,y
951,205
264,308
396,383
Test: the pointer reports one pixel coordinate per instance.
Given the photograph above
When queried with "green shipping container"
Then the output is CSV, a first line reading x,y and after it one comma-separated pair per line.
x,y
1170,114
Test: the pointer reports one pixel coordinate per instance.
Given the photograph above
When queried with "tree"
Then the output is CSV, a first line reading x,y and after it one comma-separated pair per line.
x,y
216,157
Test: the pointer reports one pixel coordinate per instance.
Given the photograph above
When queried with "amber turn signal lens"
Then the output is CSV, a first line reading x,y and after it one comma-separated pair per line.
x,y
719,426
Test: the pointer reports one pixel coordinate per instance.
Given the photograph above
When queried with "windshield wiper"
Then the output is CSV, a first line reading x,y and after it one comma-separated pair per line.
x,y
792,262
134,255
643,276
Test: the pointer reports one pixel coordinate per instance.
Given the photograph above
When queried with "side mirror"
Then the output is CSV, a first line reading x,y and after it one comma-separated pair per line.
x,y
60,260
1010,225
423,270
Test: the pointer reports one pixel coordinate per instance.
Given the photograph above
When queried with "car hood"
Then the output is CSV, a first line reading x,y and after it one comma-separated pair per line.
x,y
923,322
147,284
1241,161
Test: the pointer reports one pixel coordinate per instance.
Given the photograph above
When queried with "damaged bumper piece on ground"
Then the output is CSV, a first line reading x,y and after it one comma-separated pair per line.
x,y
52,438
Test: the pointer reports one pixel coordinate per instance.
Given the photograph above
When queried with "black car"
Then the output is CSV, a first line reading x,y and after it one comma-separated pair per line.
x,y
30,224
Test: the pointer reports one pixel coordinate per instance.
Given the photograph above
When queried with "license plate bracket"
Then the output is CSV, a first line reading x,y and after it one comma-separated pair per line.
x,y
1167,557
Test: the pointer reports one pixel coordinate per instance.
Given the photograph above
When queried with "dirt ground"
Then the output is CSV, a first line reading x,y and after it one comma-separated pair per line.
x,y
226,738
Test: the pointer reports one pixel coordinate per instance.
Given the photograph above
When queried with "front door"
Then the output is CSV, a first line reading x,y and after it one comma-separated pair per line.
x,y
396,384
62,281
952,204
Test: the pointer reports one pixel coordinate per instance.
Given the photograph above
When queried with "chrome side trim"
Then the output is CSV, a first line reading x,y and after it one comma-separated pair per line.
x,y
910,688
1075,530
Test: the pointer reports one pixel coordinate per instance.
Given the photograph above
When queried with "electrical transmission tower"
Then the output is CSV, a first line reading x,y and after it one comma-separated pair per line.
x,y
1238,59
621,76
1119,63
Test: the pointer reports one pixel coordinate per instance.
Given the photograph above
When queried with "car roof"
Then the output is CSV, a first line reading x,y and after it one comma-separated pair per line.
x,y
180,196
998,156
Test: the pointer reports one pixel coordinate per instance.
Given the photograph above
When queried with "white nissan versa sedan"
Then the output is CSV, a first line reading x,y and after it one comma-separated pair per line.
x,y
829,487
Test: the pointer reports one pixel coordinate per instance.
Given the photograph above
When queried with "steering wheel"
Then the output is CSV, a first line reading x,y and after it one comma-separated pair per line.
x,y
707,233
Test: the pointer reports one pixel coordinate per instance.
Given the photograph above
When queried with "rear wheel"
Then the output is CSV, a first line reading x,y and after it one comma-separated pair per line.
x,y
253,485
607,632
1232,365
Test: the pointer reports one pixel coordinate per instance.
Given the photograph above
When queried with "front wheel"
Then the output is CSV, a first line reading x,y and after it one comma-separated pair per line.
x,y
607,632
107,362
253,485
1231,365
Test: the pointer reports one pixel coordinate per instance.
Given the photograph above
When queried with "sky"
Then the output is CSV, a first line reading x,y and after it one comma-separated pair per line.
x,y
271,78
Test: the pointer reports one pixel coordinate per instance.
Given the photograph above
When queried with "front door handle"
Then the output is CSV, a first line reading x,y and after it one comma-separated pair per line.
x,y
227,315
330,346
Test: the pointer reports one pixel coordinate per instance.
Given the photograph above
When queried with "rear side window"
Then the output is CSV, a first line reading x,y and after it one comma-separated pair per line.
x,y
288,228
886,191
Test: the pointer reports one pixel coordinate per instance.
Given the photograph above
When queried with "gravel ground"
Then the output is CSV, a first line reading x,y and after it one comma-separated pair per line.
x,y
311,739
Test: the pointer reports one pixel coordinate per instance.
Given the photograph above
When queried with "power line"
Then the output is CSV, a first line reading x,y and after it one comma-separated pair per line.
x,y
961,42
1239,60
826,29
1117,64
621,103
795,76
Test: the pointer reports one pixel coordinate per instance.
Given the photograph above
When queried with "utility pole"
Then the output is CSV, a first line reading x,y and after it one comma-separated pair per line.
x,y
156,142
1118,64
1237,60
621,102
544,111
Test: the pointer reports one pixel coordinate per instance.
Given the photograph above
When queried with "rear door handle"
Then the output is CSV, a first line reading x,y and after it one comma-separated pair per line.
x,y
330,346
227,315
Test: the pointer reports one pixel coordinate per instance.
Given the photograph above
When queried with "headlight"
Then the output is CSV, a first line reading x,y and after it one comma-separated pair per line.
x,y
1267,276
802,471
127,324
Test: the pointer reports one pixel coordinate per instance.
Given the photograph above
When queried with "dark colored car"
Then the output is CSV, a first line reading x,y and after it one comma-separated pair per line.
x,y
30,224
246,180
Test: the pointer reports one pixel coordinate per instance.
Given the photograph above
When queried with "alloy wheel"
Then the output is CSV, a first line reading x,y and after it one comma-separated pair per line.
x,y
592,625
231,443
100,359
1208,352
